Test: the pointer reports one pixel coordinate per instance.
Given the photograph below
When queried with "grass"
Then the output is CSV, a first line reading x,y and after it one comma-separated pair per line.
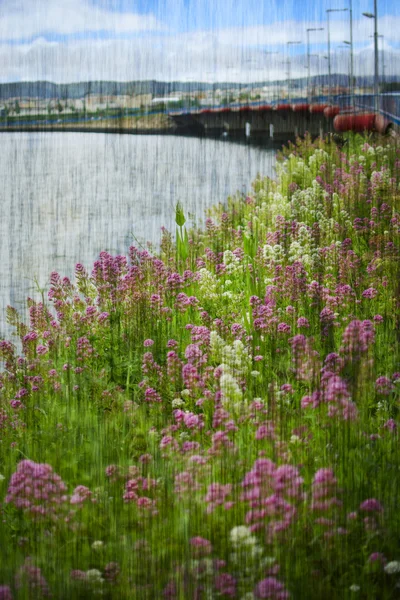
x,y
219,420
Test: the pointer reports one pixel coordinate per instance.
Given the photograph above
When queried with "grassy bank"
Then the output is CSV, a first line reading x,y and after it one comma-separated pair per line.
x,y
220,420
130,123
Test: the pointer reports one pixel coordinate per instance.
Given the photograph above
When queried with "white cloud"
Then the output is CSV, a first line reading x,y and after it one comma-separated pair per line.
x,y
236,54
24,19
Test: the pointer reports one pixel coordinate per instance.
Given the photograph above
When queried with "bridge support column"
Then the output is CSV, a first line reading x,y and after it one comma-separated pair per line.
x,y
271,130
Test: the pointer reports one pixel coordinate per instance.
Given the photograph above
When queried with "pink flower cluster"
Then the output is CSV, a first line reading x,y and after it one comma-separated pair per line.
x,y
36,489
82,494
324,496
272,493
357,338
31,578
272,589
216,496
134,487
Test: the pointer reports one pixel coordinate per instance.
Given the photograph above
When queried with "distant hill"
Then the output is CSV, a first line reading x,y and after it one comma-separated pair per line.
x,y
64,91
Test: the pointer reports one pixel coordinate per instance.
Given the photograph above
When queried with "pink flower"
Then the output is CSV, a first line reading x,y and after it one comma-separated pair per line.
x,y
226,584
390,425
371,505
152,396
145,458
148,343
302,322
271,588
370,293
5,592
201,546
265,431
284,328
78,575
30,576
80,495
377,556
383,386
111,572
324,476
36,489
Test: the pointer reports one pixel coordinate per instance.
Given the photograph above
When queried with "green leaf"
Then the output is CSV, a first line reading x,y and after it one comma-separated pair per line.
x,y
179,216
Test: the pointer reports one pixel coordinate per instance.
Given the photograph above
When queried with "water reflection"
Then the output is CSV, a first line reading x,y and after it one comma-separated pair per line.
x,y
67,196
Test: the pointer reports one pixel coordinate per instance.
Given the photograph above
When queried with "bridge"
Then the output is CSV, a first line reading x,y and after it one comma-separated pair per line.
x,y
284,120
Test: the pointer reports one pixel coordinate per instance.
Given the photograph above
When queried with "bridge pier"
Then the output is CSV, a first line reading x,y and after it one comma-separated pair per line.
x,y
273,123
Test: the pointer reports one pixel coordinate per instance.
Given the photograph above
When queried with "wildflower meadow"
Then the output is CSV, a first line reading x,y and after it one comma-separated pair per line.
x,y
220,418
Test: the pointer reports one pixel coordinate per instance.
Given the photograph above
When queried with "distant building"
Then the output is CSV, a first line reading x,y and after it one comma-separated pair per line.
x,y
126,101
99,101
164,100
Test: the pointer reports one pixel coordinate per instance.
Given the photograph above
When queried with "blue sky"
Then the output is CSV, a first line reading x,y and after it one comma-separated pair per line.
x,y
65,40
205,14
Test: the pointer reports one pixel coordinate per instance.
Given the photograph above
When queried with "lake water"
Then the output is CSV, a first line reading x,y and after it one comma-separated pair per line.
x,y
65,197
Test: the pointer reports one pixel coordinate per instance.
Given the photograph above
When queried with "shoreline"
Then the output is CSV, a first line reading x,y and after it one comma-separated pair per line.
x,y
141,131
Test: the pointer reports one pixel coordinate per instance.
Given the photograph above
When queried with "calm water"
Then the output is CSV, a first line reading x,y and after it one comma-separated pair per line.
x,y
66,197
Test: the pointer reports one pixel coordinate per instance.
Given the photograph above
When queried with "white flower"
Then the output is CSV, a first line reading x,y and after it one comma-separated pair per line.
x,y
97,545
256,551
177,402
230,388
239,534
392,567
2,478
354,588
94,575
268,561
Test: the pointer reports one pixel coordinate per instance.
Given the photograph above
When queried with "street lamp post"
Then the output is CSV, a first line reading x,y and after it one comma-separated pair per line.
x,y
269,52
374,16
382,59
330,10
288,66
351,78
351,55
308,58
315,87
348,62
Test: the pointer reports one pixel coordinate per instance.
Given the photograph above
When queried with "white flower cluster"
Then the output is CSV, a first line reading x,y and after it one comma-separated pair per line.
x,y
95,579
94,576
217,345
231,262
235,361
232,394
208,285
97,545
241,536
274,253
236,357
307,203
207,567
243,541
392,567
177,402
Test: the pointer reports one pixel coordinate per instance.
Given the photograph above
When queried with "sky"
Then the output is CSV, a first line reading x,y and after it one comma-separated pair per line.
x,y
200,40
